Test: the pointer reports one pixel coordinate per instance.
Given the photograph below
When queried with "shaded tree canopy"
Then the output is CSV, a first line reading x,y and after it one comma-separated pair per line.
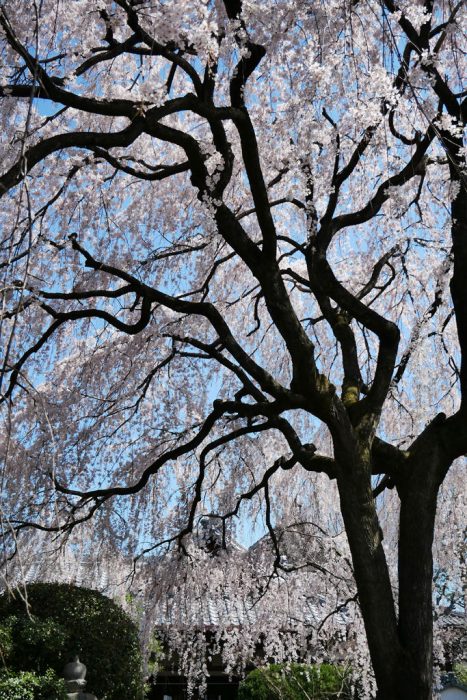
x,y
234,254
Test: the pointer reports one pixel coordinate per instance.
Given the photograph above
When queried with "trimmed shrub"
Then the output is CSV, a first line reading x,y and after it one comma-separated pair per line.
x,y
296,682
27,685
460,672
65,621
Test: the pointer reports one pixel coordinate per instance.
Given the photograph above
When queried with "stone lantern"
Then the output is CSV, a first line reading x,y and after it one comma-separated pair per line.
x,y
74,674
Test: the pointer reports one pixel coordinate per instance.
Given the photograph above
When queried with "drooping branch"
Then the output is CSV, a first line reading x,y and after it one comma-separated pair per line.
x,y
87,140
155,48
383,193
208,310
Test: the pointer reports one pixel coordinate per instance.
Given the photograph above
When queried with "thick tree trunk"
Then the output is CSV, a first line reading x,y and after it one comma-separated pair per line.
x,y
372,576
401,649
418,492
417,518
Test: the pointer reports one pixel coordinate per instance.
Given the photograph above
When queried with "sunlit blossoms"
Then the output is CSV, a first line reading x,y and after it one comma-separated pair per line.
x,y
234,253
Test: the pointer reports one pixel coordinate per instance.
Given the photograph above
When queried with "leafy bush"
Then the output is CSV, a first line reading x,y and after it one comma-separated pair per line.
x,y
27,685
67,620
6,641
296,682
460,672
40,642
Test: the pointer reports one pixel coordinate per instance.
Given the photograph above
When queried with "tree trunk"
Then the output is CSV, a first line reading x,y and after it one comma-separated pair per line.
x,y
371,575
417,517
401,650
418,493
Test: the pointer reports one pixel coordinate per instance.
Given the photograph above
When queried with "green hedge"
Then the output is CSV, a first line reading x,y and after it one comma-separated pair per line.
x,y
296,682
66,620
460,672
27,685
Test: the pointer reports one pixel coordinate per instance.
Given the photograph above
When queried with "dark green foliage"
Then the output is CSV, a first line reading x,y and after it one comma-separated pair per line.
x,y
39,641
65,621
296,682
27,685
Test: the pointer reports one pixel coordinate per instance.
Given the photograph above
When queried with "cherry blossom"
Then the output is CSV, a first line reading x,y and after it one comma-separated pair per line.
x,y
233,291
